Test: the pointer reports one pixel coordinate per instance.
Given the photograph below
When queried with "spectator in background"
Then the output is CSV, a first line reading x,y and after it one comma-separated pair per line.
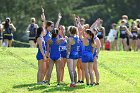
x,y
32,29
113,36
101,34
7,29
138,26
1,37
134,31
128,41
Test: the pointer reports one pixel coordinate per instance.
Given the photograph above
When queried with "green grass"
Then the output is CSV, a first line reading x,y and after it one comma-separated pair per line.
x,y
119,73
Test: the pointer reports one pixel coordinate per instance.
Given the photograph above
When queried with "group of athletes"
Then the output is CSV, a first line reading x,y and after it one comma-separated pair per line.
x,y
80,49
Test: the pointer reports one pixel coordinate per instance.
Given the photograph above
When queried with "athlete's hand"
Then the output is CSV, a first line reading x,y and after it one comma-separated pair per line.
x,y
59,16
45,59
42,9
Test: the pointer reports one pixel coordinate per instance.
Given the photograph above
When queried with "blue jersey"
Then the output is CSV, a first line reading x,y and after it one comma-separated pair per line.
x,y
32,30
1,35
39,55
8,33
63,48
47,37
88,53
54,50
81,48
75,48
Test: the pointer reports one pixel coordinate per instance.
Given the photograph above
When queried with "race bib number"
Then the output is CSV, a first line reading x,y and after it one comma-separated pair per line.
x,y
63,48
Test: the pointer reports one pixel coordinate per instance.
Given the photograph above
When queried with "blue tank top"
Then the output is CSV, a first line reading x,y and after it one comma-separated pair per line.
x,y
89,48
63,45
47,37
0,35
8,30
32,30
76,46
122,30
43,46
55,50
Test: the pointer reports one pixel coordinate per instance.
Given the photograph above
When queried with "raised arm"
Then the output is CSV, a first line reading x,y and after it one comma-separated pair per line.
x,y
58,20
127,31
95,24
43,18
13,27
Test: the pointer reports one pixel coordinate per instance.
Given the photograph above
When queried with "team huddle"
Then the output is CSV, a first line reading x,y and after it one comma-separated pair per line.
x,y
80,50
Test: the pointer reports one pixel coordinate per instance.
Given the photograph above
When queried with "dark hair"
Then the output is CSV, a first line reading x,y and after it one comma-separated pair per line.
x,y
39,31
88,31
95,29
48,23
138,25
6,25
54,33
73,30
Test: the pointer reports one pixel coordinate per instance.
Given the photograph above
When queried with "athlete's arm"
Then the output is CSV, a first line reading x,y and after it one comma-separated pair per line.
x,y
13,27
39,41
98,45
58,20
127,31
43,18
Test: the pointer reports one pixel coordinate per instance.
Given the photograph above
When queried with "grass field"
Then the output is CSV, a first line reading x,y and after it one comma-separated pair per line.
x,y
119,71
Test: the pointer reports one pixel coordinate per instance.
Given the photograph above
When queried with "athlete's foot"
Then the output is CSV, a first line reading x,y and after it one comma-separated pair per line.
x,y
96,83
58,85
40,83
45,81
93,84
72,85
81,81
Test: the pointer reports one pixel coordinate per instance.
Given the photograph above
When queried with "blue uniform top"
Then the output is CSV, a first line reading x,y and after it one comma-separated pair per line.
x,y
87,53
8,31
75,48
47,37
89,48
55,50
81,48
63,45
39,55
32,30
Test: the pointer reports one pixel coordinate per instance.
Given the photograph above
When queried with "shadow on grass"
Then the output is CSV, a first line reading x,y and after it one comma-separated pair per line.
x,y
31,87
46,88
63,88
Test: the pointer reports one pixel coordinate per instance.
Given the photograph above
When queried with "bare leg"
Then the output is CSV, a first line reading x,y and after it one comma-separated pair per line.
x,y
40,73
58,71
95,68
0,43
79,70
9,43
6,42
63,62
51,64
90,67
86,72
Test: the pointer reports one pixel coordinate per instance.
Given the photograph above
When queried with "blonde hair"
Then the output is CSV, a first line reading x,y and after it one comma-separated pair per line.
x,y
33,19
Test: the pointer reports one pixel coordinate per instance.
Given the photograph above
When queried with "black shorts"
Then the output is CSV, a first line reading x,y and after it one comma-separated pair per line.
x,y
122,36
8,37
100,36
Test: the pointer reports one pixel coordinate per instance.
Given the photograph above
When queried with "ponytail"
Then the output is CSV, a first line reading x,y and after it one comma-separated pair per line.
x,y
39,31
88,31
